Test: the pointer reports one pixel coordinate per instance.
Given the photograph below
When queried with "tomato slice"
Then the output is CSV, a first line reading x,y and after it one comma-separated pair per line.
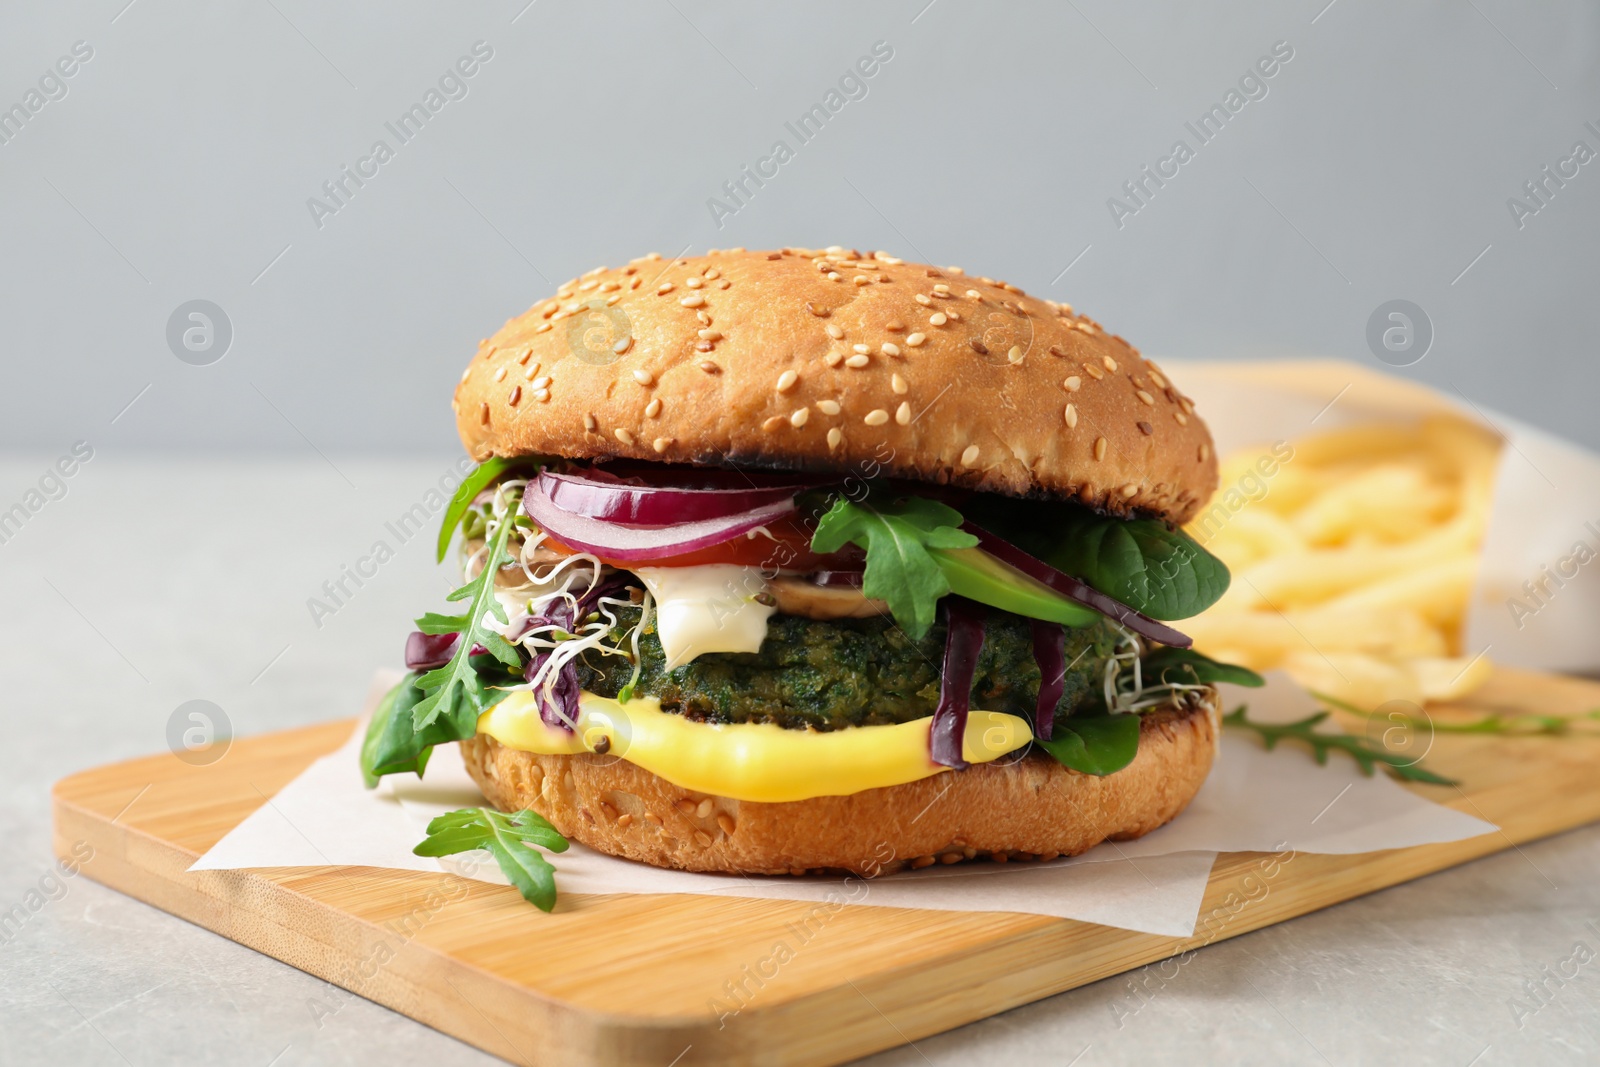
x,y
788,548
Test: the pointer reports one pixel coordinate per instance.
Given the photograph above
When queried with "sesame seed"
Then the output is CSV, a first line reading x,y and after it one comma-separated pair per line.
x,y
483,414
828,407
862,279
913,340
833,276
938,318
710,335
713,274
889,349
955,316
516,395
898,384
652,409
1186,404
704,346
772,423
923,300
1094,371
1155,376
694,283
1180,418
1130,490
1072,384
894,326
664,288
1014,356
590,424
1057,350
466,374
786,381
610,287
543,326
902,414
858,361
500,374
693,300
1145,397
1072,417
1110,363
835,331
660,444
1205,449
622,345
527,354
634,284
710,367
835,438
541,395
643,377
979,347
833,359
586,286
942,289
876,417
974,294
798,418
970,456
863,349
1145,428
820,313
1099,448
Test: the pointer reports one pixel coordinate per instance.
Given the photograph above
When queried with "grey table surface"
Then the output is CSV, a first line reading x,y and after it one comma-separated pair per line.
x,y
155,581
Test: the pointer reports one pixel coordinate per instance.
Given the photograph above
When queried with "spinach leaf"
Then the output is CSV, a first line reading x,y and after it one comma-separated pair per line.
x,y
1095,743
897,535
1161,572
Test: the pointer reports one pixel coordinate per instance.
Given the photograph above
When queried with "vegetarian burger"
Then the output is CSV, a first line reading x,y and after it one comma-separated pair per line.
x,y
814,560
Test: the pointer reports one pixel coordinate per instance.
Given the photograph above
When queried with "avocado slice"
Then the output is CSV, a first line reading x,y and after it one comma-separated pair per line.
x,y
976,575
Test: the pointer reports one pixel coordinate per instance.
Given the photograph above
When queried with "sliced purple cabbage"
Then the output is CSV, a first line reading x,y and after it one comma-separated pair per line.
x,y
561,709
426,652
1050,653
963,641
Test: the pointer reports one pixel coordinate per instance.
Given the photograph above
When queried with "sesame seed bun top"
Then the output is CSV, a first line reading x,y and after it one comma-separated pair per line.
x,y
832,360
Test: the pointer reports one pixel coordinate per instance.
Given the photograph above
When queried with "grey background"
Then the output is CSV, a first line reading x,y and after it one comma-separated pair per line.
x,y
179,562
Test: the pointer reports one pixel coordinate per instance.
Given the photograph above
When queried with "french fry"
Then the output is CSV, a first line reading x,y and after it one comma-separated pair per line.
x,y
1354,562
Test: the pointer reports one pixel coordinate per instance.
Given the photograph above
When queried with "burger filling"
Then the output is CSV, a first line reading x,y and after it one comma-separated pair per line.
x,y
729,616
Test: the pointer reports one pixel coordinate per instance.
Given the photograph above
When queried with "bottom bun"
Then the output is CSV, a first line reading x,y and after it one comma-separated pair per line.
x,y
1032,808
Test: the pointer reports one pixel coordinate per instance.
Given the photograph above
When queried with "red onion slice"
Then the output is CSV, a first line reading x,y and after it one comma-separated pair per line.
x,y
962,643
602,495
614,541
1075,589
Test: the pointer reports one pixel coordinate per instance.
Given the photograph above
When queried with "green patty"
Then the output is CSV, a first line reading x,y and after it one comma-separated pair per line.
x,y
849,672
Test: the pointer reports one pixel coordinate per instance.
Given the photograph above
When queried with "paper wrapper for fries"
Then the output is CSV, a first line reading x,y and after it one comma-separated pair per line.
x,y
1526,598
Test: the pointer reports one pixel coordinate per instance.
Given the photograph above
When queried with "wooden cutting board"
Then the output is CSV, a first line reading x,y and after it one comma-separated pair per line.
x,y
633,979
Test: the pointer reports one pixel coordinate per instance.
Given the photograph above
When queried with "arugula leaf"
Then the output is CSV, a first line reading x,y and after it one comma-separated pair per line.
x,y
510,839
483,475
1185,666
456,691
897,536
1367,755
1098,743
